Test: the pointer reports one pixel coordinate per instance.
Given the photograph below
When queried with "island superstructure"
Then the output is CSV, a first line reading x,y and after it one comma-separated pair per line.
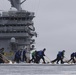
x,y
16,30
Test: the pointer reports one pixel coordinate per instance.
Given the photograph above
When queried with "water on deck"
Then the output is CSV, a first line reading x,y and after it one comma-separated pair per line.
x,y
26,69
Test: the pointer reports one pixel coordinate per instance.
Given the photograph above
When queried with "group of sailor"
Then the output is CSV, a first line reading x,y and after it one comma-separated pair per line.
x,y
60,57
20,56
38,55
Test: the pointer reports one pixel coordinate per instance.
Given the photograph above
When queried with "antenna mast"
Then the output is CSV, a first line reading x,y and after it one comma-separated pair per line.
x,y
16,4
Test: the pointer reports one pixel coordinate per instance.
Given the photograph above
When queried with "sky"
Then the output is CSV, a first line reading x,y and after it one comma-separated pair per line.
x,y
55,23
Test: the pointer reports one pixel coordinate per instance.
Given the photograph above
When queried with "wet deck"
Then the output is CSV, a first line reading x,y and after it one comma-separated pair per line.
x,y
37,69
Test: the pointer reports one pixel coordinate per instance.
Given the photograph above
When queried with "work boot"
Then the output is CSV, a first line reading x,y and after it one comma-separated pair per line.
x,y
44,62
52,62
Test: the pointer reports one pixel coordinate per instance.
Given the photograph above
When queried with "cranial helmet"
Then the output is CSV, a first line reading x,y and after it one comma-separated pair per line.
x,y
63,50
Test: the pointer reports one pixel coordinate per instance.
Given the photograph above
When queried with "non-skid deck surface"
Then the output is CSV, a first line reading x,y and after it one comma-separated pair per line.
x,y
32,64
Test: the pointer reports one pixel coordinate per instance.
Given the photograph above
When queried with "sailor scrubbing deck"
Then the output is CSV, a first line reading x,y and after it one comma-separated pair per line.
x,y
60,57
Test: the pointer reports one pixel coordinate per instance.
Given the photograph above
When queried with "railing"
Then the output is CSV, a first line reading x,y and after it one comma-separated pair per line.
x,y
18,35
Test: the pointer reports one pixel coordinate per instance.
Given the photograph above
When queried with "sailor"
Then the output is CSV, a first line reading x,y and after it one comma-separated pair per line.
x,y
34,53
40,55
1,55
1,59
2,51
75,54
59,57
17,56
75,57
24,55
72,57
